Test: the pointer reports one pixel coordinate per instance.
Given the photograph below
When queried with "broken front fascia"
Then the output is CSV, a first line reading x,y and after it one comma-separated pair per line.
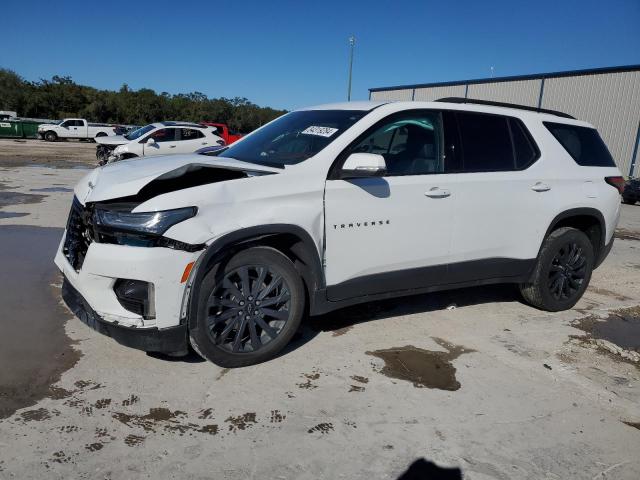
x,y
114,221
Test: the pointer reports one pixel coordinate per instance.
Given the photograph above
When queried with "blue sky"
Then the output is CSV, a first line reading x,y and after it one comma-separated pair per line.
x,y
288,54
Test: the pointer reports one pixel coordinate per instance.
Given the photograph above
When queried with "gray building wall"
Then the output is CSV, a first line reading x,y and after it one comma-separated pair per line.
x,y
609,99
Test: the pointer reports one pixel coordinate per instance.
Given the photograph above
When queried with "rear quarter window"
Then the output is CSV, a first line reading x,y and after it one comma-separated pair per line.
x,y
584,144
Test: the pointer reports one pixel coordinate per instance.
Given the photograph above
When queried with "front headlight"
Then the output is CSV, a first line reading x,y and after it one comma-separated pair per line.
x,y
152,223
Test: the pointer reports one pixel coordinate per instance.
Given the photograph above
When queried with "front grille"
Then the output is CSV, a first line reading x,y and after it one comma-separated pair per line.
x,y
79,234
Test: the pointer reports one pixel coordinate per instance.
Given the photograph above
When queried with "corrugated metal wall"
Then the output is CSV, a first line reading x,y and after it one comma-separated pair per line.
x,y
431,94
523,92
609,101
392,95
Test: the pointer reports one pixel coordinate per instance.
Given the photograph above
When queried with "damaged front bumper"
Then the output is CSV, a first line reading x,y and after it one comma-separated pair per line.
x,y
91,291
167,340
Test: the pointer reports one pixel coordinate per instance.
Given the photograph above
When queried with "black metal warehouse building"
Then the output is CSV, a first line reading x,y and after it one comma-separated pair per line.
x,y
608,98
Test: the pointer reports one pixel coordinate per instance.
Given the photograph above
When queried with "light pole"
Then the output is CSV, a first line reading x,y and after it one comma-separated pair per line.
x,y
352,42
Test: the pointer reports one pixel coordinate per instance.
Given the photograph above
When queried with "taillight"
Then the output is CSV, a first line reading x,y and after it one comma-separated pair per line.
x,y
616,182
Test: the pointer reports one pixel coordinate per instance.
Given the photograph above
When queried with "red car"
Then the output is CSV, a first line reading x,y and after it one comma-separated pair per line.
x,y
223,131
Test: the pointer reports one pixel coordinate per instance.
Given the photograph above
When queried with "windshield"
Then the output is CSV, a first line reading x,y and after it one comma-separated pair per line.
x,y
293,137
139,132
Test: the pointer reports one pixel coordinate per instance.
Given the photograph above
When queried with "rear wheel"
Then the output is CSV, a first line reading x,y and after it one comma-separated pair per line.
x,y
248,309
50,136
562,271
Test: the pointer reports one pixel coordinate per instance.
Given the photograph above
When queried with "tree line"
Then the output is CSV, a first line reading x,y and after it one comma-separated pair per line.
x,y
60,97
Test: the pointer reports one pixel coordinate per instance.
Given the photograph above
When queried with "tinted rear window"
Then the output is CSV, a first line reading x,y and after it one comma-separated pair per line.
x,y
523,146
486,143
583,144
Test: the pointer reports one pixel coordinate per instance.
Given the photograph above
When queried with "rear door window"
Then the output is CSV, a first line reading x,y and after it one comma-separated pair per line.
x,y
524,149
164,135
486,142
584,144
190,134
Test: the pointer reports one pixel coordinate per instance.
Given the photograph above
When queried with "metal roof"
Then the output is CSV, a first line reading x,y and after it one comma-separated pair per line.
x,y
535,76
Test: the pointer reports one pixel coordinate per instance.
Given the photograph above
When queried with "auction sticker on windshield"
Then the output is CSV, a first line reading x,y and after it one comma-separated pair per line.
x,y
321,131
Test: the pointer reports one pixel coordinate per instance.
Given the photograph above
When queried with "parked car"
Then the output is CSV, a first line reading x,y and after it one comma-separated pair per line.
x,y
222,130
631,192
162,138
331,206
74,128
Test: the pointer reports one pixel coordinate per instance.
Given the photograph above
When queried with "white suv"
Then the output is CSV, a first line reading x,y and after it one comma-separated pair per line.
x,y
331,206
161,138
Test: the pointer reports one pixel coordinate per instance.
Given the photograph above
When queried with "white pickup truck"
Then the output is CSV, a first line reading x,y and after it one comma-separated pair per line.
x,y
74,128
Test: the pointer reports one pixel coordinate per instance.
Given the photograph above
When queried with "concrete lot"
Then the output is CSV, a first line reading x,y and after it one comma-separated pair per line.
x,y
495,388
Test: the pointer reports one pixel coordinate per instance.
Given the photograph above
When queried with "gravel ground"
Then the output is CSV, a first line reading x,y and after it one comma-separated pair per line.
x,y
61,154
470,379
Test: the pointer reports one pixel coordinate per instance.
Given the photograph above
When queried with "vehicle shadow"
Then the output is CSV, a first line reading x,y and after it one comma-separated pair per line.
x,y
340,321
423,469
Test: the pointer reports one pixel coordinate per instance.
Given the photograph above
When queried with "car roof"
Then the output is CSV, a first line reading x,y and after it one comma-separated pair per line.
x,y
364,106
172,123
396,106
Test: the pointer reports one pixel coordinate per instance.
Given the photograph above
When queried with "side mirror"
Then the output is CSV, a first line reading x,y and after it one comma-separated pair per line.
x,y
363,165
151,141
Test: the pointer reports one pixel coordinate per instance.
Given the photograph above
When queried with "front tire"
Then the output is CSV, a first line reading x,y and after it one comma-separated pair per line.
x,y
50,136
249,308
628,201
562,271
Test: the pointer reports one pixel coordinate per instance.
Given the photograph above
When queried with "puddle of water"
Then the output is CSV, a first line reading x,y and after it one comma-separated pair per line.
x,y
17,198
423,368
34,349
12,214
621,327
51,189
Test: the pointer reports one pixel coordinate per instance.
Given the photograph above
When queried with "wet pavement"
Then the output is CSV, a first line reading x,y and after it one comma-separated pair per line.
x,y
34,349
423,368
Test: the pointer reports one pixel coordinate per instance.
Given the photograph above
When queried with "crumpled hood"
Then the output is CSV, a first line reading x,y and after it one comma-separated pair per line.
x,y
128,177
112,140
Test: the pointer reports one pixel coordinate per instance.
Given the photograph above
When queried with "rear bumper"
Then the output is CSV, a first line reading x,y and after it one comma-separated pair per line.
x,y
167,340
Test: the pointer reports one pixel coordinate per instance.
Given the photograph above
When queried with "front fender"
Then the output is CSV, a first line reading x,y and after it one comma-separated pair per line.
x,y
306,252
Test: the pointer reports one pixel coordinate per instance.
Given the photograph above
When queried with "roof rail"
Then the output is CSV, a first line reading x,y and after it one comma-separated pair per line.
x,y
502,104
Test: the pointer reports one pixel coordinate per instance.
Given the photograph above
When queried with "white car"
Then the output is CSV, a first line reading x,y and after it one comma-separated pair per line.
x,y
74,128
162,138
334,205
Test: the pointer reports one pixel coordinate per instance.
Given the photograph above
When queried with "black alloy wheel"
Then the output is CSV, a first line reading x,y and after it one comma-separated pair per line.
x,y
567,272
248,309
562,271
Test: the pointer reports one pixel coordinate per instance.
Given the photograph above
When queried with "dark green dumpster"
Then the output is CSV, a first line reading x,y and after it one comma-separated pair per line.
x,y
30,128
11,128
19,128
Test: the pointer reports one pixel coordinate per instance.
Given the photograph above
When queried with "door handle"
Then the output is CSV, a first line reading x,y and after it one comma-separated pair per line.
x,y
541,187
437,192
205,143
172,146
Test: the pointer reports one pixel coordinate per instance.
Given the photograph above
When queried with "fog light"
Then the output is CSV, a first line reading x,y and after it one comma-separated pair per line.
x,y
136,296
